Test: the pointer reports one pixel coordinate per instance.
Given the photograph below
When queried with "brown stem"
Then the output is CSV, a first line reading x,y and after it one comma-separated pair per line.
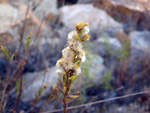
x,y
65,108
66,94
48,100
13,78
20,89
22,33
4,89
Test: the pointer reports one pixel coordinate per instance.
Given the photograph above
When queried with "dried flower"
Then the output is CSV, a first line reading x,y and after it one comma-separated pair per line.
x,y
86,24
85,30
73,35
75,45
67,53
77,69
59,63
72,57
68,64
85,38
83,57
59,71
79,26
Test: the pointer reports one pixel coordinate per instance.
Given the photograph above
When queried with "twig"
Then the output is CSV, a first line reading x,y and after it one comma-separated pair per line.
x,y
36,37
20,88
98,102
22,33
4,89
18,67
21,42
49,99
66,94
36,102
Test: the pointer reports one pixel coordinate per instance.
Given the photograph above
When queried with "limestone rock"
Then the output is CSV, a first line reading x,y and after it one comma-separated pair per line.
x,y
108,46
134,17
97,70
47,8
97,19
12,17
140,40
9,16
34,81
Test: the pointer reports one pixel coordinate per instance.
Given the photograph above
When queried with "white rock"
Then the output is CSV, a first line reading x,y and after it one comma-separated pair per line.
x,y
49,7
108,46
9,16
96,18
113,42
97,70
33,82
140,40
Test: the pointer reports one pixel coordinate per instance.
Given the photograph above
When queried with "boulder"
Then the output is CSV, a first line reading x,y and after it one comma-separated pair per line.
x,y
47,8
133,16
97,69
17,3
139,55
98,20
136,4
34,81
9,17
140,40
12,17
114,43
12,20
108,46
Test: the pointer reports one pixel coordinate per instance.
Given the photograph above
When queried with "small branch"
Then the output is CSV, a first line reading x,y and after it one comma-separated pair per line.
x,y
48,100
36,102
66,94
99,102
58,97
22,33
60,90
36,36
20,89
4,89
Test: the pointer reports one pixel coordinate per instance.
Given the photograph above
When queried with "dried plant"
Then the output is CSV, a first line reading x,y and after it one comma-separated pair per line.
x,y
73,56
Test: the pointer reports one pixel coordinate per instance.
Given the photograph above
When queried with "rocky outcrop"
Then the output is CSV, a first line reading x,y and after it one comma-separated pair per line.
x,y
35,81
12,17
9,17
132,16
97,19
140,40
47,9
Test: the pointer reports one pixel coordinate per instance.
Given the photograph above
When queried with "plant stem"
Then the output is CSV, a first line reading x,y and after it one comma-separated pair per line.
x,y
66,94
65,108
4,89
21,86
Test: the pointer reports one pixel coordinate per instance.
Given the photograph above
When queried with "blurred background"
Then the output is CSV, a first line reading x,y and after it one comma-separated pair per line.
x,y
118,54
